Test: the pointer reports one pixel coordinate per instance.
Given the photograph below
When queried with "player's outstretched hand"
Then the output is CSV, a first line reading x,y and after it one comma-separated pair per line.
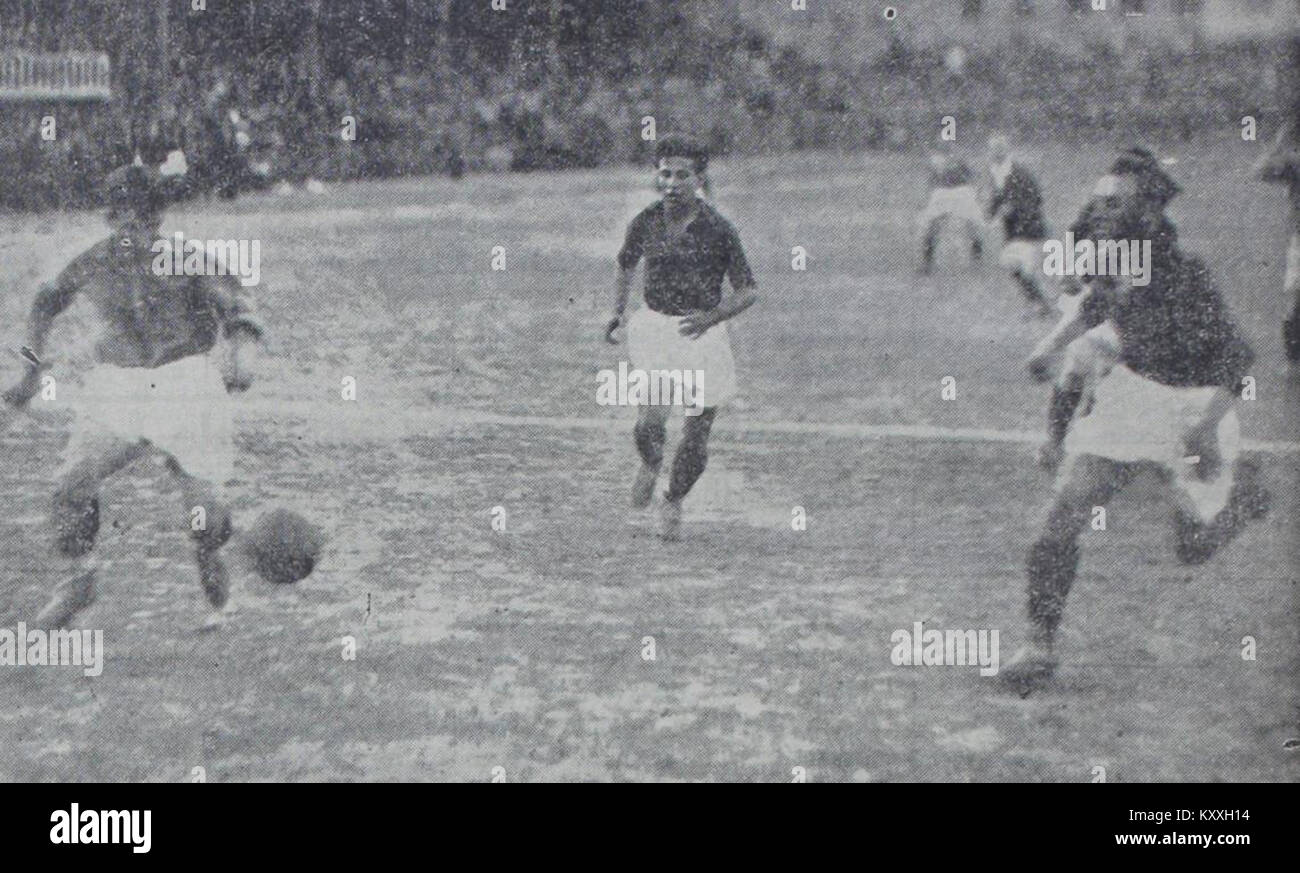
x,y
693,324
610,329
21,394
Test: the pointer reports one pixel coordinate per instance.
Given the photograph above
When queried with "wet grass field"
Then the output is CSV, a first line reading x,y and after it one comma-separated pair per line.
x,y
523,648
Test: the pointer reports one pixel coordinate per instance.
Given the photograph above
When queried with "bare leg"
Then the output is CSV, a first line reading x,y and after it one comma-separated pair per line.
x,y
1033,292
1196,541
1053,561
976,236
930,243
75,518
216,529
688,465
650,432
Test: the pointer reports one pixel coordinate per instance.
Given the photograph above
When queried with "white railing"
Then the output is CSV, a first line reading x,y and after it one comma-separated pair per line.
x,y
28,75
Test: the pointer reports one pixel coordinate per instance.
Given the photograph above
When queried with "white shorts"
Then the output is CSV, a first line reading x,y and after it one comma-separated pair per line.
x,y
180,408
1093,354
654,344
1022,256
1136,419
959,202
1292,281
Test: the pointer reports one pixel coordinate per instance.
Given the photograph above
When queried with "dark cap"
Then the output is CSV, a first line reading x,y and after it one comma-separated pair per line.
x,y
680,146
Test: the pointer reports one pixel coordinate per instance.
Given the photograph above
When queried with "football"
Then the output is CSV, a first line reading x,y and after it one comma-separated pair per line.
x,y
283,546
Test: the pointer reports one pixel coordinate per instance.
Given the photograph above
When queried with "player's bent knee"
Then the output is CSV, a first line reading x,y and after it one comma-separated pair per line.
x,y
650,436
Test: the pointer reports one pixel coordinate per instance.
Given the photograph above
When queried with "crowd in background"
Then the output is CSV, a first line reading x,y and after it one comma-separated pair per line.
x,y
471,101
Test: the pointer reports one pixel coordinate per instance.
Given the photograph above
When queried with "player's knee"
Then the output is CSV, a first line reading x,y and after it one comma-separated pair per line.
x,y
650,436
76,522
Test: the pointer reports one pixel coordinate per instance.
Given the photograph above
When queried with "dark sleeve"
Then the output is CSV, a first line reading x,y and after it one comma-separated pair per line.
x,y
737,266
1096,307
1082,225
633,244
51,299
1231,355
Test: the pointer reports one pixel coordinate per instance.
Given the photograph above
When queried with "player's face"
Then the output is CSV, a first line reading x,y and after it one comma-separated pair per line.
x,y
1117,207
677,180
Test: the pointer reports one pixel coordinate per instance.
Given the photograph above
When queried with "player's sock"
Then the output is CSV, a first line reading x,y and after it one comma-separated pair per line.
x,y
643,488
73,594
1197,541
1029,286
213,575
670,521
1291,335
976,250
1061,409
650,442
75,519
650,446
692,455
928,247
1051,568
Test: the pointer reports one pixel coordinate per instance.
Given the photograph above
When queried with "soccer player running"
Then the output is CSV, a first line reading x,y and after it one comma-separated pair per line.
x,y
1018,200
952,195
1088,359
1282,165
156,387
1168,404
689,248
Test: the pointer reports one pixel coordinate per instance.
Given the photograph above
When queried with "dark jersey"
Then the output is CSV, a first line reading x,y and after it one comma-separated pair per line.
x,y
1177,330
148,320
1022,205
686,272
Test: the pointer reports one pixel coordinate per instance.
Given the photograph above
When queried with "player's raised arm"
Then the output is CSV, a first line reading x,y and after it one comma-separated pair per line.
x,y
51,299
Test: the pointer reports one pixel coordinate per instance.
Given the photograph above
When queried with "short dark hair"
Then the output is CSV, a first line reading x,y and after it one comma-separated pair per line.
x,y
677,145
1153,183
142,190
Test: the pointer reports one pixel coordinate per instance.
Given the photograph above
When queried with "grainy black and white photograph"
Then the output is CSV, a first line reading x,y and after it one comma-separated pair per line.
x,y
623,391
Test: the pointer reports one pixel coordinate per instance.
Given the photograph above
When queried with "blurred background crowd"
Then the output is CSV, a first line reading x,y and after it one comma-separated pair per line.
x,y
256,91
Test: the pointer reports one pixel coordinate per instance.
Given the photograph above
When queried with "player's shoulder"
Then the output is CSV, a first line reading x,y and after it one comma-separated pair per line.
x,y
653,210
710,214
86,264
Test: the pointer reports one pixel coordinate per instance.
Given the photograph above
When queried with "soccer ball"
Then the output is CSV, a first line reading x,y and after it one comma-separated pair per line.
x,y
283,546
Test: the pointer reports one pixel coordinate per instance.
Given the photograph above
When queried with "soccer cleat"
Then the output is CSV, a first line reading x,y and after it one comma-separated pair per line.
x,y
1291,337
670,521
70,598
1030,668
643,488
